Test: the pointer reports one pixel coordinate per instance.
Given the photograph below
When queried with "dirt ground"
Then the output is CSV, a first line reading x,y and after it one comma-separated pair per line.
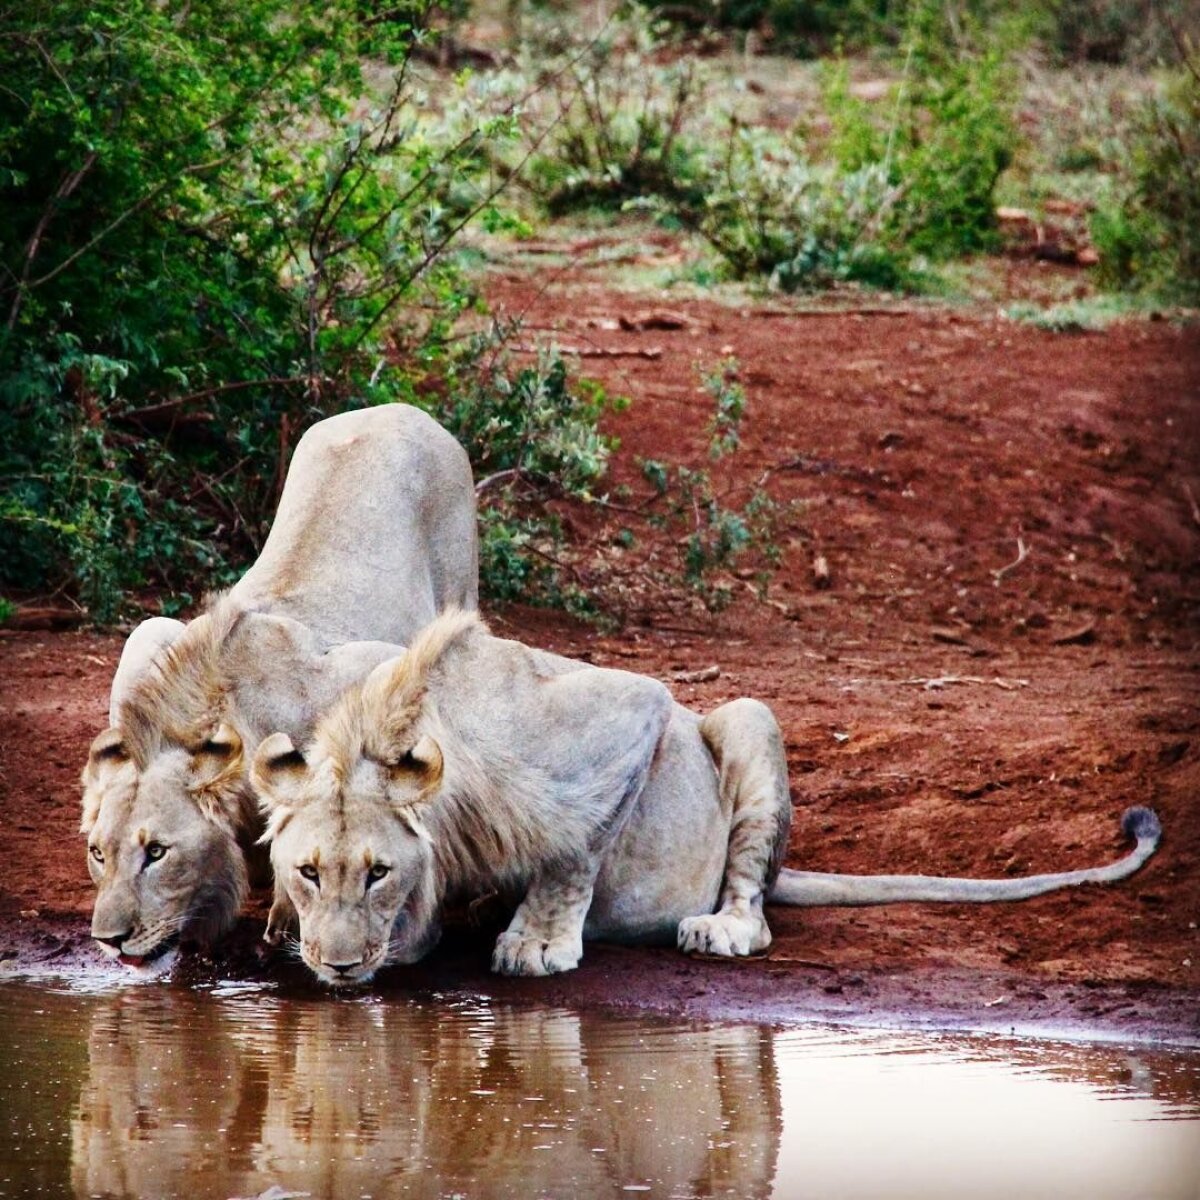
x,y
947,709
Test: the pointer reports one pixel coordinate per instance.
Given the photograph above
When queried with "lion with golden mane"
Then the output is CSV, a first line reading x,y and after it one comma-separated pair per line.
x,y
470,763
374,536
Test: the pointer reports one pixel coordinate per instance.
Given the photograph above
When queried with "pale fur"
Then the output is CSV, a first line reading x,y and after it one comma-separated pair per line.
x,y
374,536
472,763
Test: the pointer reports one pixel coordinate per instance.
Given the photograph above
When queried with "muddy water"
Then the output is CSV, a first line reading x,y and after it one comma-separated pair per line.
x,y
155,1091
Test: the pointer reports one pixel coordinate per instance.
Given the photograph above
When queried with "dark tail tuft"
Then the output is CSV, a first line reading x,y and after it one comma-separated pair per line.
x,y
1141,823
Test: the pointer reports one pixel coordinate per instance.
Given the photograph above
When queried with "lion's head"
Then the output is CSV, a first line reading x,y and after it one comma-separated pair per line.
x,y
346,817
349,848
162,843
165,796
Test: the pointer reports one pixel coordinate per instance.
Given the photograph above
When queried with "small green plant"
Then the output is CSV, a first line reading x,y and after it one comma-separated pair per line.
x,y
770,211
945,135
711,535
1148,234
534,441
621,116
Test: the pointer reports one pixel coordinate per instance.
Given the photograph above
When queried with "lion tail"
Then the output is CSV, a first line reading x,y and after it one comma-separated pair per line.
x,y
811,889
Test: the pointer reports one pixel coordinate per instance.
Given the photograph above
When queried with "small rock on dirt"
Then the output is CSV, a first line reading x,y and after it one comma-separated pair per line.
x,y
1082,635
704,675
655,319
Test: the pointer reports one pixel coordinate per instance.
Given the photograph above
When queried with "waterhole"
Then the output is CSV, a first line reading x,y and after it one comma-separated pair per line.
x,y
157,1091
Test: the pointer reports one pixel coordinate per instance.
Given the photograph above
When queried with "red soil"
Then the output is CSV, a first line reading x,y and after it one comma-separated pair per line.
x,y
919,446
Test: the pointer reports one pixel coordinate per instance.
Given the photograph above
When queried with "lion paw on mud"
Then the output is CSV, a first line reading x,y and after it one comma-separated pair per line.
x,y
517,954
726,934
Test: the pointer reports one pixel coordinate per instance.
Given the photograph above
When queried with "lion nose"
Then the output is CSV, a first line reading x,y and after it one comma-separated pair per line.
x,y
114,940
343,968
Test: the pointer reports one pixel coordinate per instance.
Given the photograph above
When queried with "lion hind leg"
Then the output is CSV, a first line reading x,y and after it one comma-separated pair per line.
x,y
545,936
747,748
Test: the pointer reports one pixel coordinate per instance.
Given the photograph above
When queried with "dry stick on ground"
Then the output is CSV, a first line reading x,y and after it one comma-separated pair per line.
x,y
1191,499
860,311
650,352
1022,554
940,681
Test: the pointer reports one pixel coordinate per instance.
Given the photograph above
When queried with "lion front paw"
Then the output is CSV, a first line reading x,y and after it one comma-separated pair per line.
x,y
726,934
519,954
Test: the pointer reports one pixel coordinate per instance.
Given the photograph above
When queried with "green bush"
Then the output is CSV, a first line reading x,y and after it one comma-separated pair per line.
x,y
533,438
912,176
1148,236
944,135
213,230
1111,31
620,115
769,211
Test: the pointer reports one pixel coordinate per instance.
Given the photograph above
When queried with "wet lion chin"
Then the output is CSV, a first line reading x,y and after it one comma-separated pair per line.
x,y
151,966
148,966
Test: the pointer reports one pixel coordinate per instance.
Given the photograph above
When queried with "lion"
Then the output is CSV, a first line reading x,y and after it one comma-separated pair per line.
x,y
471,763
374,536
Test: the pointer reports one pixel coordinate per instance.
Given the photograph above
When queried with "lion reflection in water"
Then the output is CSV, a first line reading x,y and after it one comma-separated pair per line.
x,y
187,1096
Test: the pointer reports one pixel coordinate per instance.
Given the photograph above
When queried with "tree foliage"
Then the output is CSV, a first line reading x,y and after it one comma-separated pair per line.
x,y
218,221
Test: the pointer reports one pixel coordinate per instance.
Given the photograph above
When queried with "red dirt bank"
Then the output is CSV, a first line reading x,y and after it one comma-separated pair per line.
x,y
920,447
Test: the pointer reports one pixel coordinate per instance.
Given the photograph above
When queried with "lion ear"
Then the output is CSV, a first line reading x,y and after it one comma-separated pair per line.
x,y
223,742
427,754
218,756
107,751
416,774
278,773
106,756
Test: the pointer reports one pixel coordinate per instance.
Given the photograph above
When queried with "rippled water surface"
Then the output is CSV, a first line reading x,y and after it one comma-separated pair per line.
x,y
155,1091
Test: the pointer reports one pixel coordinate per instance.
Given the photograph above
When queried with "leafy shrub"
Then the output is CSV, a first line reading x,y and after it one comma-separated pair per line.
x,y
621,101
533,438
914,175
1148,236
769,211
547,504
202,251
711,536
942,138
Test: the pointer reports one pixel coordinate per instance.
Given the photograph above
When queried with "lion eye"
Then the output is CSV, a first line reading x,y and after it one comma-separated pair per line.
x,y
310,873
96,853
376,873
155,851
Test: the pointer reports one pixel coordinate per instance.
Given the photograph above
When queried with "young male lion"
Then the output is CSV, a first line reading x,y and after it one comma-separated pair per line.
x,y
374,536
471,763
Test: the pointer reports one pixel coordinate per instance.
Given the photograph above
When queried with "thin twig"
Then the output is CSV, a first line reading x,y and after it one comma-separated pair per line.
x,y
499,477
650,352
1191,499
941,681
1022,554
69,183
154,410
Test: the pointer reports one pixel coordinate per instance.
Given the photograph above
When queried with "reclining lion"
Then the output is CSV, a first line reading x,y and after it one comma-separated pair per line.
x,y
374,536
472,763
